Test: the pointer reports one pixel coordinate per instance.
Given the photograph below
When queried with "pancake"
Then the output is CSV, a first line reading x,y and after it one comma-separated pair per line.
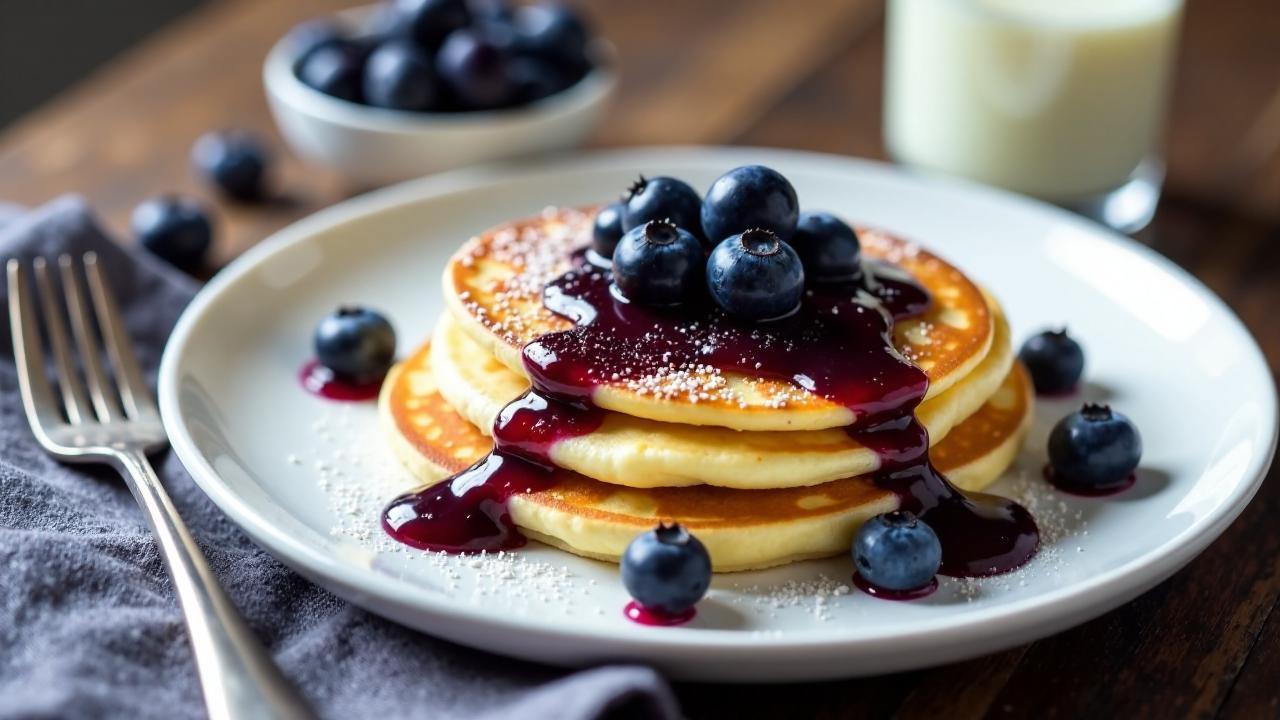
x,y
493,287
635,452
742,529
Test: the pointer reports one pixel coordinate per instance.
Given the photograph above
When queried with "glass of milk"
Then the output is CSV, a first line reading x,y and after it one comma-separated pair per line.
x,y
1060,99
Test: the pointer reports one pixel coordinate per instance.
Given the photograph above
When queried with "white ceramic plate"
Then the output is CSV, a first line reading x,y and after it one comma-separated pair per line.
x,y
305,478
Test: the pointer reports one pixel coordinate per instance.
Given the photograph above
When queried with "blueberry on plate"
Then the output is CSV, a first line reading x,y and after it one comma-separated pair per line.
x,y
750,197
399,75
1095,448
552,32
429,22
755,276
662,198
234,161
897,551
1055,361
475,70
175,229
658,264
828,247
606,231
335,68
667,569
356,343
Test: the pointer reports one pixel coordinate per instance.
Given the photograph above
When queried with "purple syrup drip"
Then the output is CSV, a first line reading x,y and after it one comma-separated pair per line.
x,y
981,534
468,512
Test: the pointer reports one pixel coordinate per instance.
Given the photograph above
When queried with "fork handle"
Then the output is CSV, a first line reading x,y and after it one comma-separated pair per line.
x,y
237,675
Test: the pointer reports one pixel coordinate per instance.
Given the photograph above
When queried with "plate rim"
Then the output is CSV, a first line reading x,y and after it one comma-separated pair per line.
x,y
1088,598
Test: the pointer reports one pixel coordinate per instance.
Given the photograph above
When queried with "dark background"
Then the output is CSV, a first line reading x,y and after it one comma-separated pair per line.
x,y
46,45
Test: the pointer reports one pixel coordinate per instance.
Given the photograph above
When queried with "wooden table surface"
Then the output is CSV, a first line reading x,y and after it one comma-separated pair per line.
x,y
803,75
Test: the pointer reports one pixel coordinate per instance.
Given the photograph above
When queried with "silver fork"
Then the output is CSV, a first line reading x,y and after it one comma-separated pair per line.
x,y
118,423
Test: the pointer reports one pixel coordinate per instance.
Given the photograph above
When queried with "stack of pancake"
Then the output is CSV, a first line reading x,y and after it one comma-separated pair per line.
x,y
761,470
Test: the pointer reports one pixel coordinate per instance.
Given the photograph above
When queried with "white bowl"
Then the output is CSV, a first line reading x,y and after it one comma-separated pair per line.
x,y
373,146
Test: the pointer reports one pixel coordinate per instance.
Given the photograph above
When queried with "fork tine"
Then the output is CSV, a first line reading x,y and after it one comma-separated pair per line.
x,y
82,326
133,386
73,397
37,395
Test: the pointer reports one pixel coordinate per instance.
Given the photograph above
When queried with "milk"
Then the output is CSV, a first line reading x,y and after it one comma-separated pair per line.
x,y
1061,99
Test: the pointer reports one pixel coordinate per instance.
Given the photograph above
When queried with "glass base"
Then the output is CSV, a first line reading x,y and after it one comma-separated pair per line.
x,y
1130,207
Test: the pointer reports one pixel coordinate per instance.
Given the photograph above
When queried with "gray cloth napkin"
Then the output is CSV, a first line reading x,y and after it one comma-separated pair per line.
x,y
89,625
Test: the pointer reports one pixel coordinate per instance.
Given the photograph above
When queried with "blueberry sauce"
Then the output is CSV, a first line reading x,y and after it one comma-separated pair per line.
x,y
468,512
320,380
1082,490
981,534
886,594
642,615
838,346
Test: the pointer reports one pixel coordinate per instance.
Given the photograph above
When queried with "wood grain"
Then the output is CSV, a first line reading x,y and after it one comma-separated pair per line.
x,y
1204,643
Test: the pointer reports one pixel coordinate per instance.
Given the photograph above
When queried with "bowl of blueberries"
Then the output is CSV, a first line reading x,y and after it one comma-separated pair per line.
x,y
405,88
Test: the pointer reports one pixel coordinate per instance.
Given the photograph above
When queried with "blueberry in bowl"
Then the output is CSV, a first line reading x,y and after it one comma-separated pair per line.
x,y
1094,450
476,70
356,343
428,22
747,198
658,264
755,276
401,76
501,81
667,570
334,68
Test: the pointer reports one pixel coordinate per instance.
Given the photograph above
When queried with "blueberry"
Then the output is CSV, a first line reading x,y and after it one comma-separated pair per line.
x,y
356,343
491,11
606,231
175,229
749,197
897,551
755,276
1096,447
309,35
552,32
399,75
662,198
533,79
828,248
234,161
1055,361
334,68
658,264
475,70
666,569
429,22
